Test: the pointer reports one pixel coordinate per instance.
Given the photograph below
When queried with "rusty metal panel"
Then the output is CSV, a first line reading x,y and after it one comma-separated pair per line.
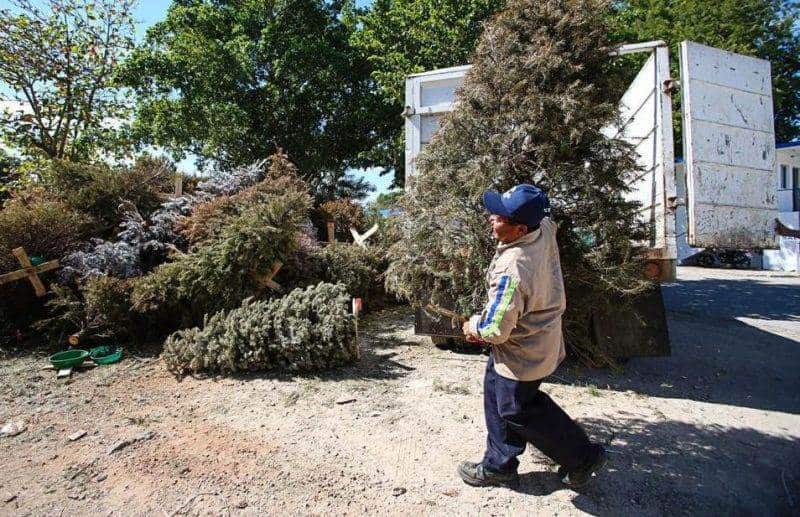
x,y
635,328
729,147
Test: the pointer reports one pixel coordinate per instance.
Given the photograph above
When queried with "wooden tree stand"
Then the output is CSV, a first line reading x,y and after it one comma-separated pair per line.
x,y
30,271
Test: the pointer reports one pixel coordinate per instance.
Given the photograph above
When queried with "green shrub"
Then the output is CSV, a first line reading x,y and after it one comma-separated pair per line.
x,y
43,226
360,270
108,308
66,315
308,329
98,310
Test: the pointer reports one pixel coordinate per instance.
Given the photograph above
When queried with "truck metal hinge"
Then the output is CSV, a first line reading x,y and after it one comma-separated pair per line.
x,y
670,86
674,202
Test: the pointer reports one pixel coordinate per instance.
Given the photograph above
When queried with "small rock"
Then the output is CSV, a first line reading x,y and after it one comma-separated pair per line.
x,y
73,496
241,504
398,490
375,413
101,477
345,400
13,428
77,435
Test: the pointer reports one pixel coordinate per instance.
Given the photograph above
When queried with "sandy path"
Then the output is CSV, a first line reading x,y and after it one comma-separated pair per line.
x,y
712,429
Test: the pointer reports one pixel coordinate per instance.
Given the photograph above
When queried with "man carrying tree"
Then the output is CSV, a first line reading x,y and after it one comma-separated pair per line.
x,y
522,323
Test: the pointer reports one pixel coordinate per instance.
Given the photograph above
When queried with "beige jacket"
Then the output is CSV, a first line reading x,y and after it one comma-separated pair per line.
x,y
522,319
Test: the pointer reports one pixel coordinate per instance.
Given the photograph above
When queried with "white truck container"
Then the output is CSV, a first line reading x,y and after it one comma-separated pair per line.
x,y
728,142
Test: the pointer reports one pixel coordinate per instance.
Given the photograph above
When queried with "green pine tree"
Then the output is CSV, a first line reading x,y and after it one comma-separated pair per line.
x,y
308,329
541,88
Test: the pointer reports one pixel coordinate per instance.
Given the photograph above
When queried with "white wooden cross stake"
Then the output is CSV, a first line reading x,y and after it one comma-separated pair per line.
x,y
30,271
361,240
268,279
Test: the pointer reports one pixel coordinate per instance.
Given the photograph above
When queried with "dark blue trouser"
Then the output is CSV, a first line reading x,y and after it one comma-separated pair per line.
x,y
517,413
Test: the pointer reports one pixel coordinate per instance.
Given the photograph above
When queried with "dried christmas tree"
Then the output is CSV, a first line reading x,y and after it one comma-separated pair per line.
x,y
308,329
227,267
144,243
238,241
209,217
541,88
360,270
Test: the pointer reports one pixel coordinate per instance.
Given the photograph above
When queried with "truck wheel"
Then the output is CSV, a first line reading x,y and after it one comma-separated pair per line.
x,y
440,341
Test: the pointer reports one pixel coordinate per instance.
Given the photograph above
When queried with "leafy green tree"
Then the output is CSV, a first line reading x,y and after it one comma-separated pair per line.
x,y
388,199
402,37
769,29
58,57
8,173
233,81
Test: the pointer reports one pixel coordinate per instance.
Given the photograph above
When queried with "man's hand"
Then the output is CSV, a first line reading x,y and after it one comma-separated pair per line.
x,y
470,336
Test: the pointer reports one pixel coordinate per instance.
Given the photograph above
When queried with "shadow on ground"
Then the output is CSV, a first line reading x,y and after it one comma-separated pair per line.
x,y
671,467
777,299
716,358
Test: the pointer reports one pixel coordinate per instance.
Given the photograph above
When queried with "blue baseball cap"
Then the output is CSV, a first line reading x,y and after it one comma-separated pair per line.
x,y
524,204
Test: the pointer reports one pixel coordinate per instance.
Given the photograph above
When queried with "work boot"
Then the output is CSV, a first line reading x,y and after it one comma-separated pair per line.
x,y
580,476
476,474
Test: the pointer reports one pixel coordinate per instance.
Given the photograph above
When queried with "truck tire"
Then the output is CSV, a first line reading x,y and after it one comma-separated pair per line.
x,y
440,341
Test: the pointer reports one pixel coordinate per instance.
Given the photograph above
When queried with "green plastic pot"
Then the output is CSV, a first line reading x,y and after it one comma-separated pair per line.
x,y
105,354
68,358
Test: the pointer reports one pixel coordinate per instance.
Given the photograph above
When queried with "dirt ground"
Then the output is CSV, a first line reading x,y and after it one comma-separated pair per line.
x,y
713,429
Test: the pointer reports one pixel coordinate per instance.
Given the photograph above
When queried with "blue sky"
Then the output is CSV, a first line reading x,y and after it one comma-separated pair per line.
x,y
150,11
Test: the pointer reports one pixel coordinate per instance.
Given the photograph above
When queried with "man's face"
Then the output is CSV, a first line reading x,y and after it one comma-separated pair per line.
x,y
504,230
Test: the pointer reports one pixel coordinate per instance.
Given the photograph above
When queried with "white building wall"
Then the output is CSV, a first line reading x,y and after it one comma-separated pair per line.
x,y
787,161
787,258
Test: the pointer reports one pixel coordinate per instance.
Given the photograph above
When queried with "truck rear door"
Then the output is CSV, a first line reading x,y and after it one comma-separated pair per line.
x,y
729,148
428,96
645,122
